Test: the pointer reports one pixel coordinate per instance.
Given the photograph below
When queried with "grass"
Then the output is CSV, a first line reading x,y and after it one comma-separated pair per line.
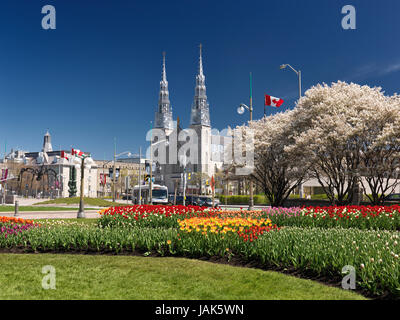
x,y
36,209
87,221
128,277
88,201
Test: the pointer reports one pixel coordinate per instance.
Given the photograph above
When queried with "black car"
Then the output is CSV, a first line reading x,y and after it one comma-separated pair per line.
x,y
190,200
392,198
193,201
208,202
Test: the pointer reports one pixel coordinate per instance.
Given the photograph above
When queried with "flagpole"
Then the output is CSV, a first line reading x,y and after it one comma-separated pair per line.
x,y
114,173
251,202
59,174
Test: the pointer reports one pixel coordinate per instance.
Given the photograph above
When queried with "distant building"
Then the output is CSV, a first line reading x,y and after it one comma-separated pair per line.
x,y
52,165
127,175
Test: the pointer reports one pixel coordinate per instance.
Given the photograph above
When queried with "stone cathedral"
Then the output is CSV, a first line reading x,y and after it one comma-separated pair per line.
x,y
210,144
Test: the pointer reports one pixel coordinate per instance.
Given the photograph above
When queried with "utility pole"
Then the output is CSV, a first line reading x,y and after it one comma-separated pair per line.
x,y
184,185
140,176
59,172
151,165
114,173
81,212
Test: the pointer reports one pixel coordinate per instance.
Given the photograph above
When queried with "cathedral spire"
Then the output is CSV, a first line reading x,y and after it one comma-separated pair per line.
x,y
200,109
201,62
164,73
163,116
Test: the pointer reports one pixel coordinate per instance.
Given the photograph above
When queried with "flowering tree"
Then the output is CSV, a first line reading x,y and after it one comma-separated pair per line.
x,y
276,170
346,131
380,152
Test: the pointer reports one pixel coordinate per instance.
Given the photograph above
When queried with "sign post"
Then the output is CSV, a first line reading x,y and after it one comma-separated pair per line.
x,y
213,189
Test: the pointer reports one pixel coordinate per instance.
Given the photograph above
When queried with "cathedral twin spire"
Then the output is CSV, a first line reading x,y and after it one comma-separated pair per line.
x,y
163,118
200,108
200,114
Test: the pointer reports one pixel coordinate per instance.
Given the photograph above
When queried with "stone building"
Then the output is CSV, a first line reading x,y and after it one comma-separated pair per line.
x,y
127,175
53,170
206,153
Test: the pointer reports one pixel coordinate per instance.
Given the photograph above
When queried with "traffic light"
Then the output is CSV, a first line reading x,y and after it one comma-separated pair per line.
x,y
189,176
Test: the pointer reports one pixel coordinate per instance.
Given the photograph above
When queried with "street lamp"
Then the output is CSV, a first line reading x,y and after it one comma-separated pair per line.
x,y
151,164
139,177
298,72
241,110
183,162
87,165
128,153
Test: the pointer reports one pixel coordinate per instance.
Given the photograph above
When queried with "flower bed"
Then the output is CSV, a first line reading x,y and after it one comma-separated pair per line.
x,y
361,217
147,215
320,241
247,228
5,220
323,252
10,226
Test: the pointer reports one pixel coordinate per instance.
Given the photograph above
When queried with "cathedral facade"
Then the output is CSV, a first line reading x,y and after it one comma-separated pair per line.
x,y
195,150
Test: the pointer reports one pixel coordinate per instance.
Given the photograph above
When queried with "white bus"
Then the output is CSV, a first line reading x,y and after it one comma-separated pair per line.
x,y
160,194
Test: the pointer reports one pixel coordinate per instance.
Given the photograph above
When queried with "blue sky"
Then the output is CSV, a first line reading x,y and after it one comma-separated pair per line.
x,y
97,75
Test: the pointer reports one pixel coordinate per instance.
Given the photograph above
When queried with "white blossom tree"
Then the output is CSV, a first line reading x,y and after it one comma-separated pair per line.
x,y
277,171
345,131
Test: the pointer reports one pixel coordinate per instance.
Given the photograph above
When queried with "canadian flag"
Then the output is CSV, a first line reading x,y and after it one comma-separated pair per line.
x,y
272,101
64,155
77,153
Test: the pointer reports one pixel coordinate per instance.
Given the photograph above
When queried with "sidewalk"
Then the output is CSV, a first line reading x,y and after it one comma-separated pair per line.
x,y
91,214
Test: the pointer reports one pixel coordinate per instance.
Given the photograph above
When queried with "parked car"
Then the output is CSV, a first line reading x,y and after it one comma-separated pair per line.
x,y
392,198
190,200
178,200
208,202
193,201
126,197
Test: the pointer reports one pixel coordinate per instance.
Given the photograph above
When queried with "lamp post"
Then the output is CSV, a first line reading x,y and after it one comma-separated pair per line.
x,y
140,177
241,110
81,211
298,72
183,163
128,153
151,162
115,151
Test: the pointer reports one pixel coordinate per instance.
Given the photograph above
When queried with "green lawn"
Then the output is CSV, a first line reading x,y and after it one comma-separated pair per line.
x,y
128,277
88,201
85,221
